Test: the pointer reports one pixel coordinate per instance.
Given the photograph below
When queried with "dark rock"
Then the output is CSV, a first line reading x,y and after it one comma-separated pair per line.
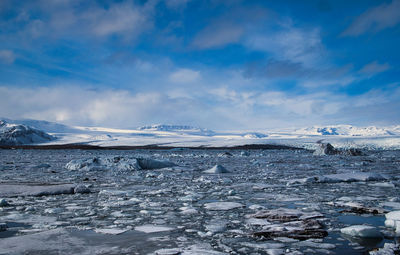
x,y
3,203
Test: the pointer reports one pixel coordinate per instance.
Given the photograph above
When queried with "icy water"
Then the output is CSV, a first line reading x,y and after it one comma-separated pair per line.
x,y
173,211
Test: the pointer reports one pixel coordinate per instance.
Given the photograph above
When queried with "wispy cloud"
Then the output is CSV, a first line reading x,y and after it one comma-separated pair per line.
x,y
290,44
229,28
7,56
184,76
66,19
375,19
374,68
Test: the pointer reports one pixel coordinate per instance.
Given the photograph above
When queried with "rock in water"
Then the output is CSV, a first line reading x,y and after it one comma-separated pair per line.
x,y
3,227
217,169
3,202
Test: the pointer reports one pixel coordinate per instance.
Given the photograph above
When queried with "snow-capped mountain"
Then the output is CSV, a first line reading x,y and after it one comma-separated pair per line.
x,y
254,135
347,130
17,134
46,126
177,128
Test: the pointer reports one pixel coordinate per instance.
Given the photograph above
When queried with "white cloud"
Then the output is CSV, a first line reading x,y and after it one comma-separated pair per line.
x,y
218,108
375,19
184,76
120,19
124,19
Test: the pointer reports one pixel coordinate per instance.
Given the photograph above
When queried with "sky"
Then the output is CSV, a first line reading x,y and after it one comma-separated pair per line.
x,y
223,65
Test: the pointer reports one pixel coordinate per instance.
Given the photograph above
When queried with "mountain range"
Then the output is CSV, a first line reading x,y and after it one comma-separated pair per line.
x,y
18,132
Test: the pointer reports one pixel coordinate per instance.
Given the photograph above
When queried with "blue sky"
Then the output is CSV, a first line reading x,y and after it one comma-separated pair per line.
x,y
215,64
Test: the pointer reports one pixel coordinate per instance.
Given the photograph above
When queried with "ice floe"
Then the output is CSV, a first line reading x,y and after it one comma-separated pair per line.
x,y
328,149
393,221
217,169
222,206
117,163
363,231
152,228
13,190
341,177
290,223
110,231
387,249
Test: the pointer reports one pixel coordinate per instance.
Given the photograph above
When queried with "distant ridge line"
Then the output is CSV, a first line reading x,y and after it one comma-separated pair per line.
x,y
149,147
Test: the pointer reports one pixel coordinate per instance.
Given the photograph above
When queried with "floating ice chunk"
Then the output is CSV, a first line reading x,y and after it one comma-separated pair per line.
x,y
216,226
222,206
343,177
53,210
285,214
325,149
394,205
44,165
256,207
290,223
225,154
36,189
173,251
328,149
361,231
309,243
217,169
83,164
116,163
257,222
100,164
388,249
244,154
275,251
201,249
82,189
302,181
264,245
152,228
351,177
383,185
146,163
188,210
393,221
110,231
